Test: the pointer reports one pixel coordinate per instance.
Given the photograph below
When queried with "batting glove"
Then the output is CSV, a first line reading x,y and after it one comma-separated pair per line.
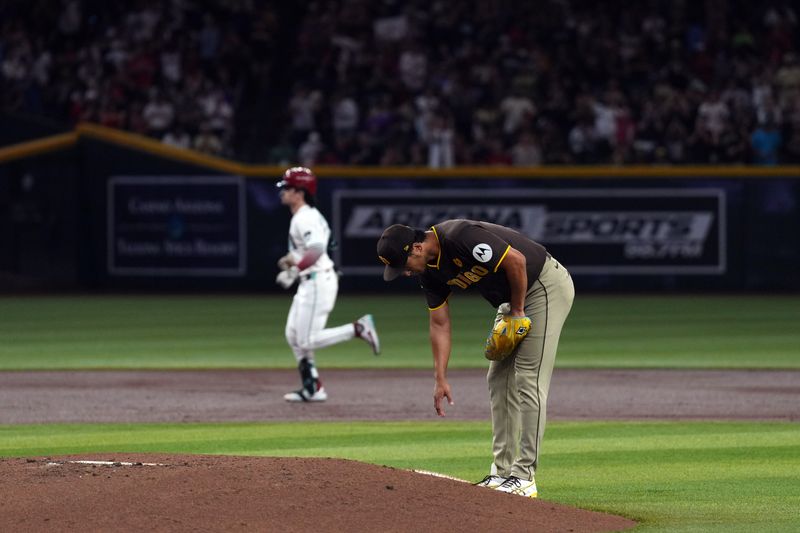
x,y
286,278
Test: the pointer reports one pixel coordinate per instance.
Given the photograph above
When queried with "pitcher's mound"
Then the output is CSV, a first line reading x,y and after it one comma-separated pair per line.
x,y
143,492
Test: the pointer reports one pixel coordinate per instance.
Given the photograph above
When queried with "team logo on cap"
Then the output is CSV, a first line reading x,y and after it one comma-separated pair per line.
x,y
482,252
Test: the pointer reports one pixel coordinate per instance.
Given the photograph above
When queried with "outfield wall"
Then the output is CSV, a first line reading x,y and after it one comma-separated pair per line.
x,y
106,210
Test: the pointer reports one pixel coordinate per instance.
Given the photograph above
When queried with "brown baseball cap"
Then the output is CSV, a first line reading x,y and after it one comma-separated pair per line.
x,y
393,248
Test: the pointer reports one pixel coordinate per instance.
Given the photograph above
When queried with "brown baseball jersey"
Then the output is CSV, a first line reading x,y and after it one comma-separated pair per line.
x,y
470,254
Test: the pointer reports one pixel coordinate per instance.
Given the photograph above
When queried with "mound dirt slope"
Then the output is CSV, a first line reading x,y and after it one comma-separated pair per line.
x,y
220,493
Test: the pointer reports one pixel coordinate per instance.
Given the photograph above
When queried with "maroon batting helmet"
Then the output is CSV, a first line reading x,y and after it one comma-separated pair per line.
x,y
299,178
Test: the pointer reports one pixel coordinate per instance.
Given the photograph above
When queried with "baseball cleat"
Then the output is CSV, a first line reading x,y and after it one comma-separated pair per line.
x,y
520,487
302,395
490,481
365,329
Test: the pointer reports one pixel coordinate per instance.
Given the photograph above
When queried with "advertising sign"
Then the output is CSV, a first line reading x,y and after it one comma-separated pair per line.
x,y
176,226
592,231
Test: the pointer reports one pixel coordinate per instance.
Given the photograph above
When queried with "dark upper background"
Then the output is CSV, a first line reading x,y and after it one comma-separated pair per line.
x,y
400,83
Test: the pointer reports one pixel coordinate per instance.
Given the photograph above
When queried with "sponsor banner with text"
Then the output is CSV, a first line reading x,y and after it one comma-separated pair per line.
x,y
176,226
592,231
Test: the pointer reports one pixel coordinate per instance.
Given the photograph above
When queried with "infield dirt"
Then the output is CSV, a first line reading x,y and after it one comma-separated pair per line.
x,y
257,395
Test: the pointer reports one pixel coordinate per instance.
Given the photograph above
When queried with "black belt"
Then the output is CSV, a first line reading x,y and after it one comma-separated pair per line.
x,y
312,275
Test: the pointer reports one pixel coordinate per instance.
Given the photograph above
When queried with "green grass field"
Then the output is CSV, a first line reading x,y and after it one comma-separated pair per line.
x,y
672,476
247,332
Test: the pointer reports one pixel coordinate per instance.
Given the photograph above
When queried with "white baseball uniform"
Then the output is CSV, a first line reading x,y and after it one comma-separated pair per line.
x,y
317,289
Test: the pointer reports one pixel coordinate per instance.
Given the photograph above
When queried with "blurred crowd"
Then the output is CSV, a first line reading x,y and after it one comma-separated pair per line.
x,y
174,70
424,82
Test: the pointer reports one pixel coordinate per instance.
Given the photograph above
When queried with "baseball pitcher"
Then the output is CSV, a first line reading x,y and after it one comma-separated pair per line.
x,y
532,294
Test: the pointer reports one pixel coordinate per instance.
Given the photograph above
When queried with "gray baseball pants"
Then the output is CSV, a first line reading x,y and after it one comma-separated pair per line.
x,y
518,385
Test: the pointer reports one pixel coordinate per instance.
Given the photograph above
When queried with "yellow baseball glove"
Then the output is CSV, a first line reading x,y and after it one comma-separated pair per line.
x,y
506,336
